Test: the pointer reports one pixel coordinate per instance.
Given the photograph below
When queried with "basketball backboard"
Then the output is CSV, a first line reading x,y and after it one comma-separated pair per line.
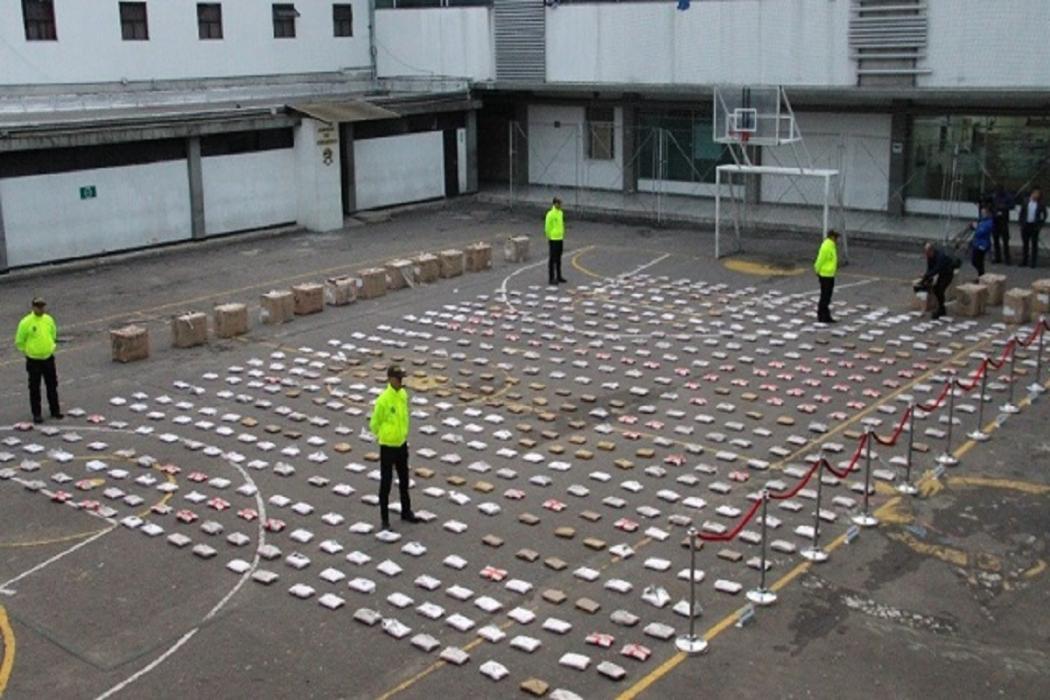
x,y
757,115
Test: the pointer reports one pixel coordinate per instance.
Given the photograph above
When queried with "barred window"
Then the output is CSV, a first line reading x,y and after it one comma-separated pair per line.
x,y
601,133
343,19
284,15
209,20
133,24
39,18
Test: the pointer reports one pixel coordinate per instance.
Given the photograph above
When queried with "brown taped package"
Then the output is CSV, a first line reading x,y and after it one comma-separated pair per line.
x,y
130,343
373,283
428,268
278,306
451,263
996,287
1017,306
340,291
231,320
970,300
309,298
479,257
189,330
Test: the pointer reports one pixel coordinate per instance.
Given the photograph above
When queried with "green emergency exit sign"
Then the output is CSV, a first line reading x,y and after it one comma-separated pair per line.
x,y
88,192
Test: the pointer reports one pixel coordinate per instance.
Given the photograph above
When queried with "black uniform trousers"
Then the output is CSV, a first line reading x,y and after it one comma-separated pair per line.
x,y
1029,243
827,286
1001,238
391,458
554,261
43,369
940,286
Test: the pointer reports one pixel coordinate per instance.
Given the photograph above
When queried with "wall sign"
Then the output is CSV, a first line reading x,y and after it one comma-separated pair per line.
x,y
88,192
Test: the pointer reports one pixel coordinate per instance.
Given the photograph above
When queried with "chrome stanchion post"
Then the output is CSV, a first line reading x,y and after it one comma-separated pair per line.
x,y
908,488
762,595
814,552
947,458
1010,406
978,434
690,643
1037,387
866,519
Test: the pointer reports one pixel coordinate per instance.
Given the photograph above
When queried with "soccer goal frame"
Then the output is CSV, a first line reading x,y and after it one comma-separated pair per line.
x,y
726,174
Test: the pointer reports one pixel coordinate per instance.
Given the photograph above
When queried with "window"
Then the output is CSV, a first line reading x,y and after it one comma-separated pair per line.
x,y
209,20
245,142
39,17
601,133
964,157
343,19
133,26
284,15
677,145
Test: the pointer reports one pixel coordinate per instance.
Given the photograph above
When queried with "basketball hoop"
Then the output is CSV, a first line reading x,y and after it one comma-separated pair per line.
x,y
742,137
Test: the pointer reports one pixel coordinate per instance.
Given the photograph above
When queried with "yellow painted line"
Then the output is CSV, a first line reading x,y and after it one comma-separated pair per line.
x,y
1039,568
882,512
53,540
753,267
8,661
1008,484
575,262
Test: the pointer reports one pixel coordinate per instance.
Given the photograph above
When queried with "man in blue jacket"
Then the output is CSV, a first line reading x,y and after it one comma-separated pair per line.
x,y
982,239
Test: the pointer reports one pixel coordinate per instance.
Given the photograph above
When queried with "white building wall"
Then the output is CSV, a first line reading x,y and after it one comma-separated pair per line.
x,y
789,42
557,149
436,41
857,145
249,190
90,48
139,205
398,169
975,43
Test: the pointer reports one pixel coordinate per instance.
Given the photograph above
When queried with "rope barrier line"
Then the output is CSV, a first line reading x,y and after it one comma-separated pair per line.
x,y
784,495
726,536
862,442
892,440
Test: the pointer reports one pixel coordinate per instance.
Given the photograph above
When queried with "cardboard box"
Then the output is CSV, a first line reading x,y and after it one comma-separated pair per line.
x,y
231,320
189,330
278,306
130,343
451,262
971,300
1017,305
516,249
400,274
309,298
428,268
1041,297
479,257
340,291
373,283
996,288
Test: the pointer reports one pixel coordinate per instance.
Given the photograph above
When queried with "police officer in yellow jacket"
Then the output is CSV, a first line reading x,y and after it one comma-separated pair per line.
x,y
35,338
826,265
554,228
389,424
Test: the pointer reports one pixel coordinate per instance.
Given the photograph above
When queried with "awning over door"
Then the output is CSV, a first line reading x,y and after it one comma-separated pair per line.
x,y
345,111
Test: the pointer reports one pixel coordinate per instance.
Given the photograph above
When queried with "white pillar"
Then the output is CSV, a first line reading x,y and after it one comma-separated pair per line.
x,y
317,165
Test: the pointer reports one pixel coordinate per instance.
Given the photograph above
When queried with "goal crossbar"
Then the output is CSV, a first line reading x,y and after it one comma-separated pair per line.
x,y
729,170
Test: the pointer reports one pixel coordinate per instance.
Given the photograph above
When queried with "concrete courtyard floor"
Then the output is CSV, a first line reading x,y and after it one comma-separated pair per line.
x,y
563,441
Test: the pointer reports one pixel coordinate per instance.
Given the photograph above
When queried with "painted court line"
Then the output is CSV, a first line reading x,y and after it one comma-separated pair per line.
x,y
181,641
5,587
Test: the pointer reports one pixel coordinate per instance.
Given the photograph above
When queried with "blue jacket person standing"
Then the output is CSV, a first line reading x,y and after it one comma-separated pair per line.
x,y
982,239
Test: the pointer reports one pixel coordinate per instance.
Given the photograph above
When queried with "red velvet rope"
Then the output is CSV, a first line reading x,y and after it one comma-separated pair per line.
x,y
784,495
928,408
975,378
1004,355
726,536
892,440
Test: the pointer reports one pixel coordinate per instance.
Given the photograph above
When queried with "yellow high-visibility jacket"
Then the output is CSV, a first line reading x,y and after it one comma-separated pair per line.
x,y
389,421
554,225
36,336
827,262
